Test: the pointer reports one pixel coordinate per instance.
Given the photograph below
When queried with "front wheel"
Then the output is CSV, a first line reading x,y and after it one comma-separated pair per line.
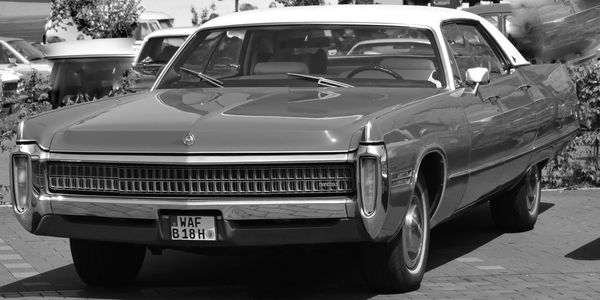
x,y
518,209
399,266
106,263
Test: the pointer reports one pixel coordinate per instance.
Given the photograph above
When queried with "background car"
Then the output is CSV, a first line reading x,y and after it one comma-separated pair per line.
x,y
88,69
21,56
148,22
392,47
156,50
548,31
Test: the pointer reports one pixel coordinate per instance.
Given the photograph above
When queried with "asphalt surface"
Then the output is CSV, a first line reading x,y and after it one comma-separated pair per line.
x,y
469,259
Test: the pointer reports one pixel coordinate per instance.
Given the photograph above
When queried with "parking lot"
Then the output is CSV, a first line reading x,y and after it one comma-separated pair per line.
x,y
469,259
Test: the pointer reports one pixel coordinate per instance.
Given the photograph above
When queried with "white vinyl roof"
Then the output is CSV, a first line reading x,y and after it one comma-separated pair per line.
x,y
331,14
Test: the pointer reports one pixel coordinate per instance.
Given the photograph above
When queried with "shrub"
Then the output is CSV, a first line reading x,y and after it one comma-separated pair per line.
x,y
33,100
577,166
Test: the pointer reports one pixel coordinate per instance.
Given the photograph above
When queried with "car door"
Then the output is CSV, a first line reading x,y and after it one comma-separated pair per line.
x,y
484,120
499,115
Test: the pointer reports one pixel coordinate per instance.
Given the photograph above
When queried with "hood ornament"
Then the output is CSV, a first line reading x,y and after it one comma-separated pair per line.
x,y
189,139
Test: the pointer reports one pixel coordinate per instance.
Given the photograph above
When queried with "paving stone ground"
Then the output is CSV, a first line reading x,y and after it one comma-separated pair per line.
x,y
468,259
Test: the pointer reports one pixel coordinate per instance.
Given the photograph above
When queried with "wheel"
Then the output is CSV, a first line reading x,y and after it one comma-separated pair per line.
x,y
374,68
398,266
517,210
106,263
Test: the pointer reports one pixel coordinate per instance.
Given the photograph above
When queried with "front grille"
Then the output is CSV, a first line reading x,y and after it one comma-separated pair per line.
x,y
11,89
200,180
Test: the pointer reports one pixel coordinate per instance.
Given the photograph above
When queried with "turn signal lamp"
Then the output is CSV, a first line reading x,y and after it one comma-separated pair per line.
x,y
368,180
20,165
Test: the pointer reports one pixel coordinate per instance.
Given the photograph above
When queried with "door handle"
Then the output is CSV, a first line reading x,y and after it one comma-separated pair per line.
x,y
524,87
491,99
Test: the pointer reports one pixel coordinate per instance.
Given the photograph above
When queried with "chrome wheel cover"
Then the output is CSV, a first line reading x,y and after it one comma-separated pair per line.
x,y
414,233
532,191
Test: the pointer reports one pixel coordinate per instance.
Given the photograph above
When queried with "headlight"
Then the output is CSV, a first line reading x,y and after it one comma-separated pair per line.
x,y
369,180
20,181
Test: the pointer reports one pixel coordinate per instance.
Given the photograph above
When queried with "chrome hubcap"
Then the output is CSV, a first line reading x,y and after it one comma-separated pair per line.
x,y
413,233
532,193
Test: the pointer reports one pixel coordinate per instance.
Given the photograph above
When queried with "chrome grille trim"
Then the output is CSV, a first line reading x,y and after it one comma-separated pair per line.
x,y
133,179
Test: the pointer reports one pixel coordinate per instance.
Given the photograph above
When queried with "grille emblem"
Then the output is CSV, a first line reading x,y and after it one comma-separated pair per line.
x,y
189,139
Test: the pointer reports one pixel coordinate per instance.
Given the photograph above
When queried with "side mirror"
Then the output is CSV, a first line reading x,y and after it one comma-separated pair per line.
x,y
12,61
477,76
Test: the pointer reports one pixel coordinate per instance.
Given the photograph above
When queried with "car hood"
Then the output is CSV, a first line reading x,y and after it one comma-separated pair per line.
x,y
266,120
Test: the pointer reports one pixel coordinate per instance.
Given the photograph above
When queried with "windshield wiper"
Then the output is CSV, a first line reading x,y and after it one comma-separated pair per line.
x,y
204,77
322,81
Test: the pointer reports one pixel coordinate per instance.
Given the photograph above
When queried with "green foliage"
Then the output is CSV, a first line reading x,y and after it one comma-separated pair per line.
x,y
587,79
96,18
32,101
127,84
577,165
207,14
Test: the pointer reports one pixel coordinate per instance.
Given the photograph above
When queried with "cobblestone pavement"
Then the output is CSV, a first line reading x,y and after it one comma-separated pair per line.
x,y
469,259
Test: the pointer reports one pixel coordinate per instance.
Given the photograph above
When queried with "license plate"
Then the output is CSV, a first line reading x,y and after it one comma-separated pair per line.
x,y
193,228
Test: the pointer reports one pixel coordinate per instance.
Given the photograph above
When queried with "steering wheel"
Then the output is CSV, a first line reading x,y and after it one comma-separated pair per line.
x,y
374,68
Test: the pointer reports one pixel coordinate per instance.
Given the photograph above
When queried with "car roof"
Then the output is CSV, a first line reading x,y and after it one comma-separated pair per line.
x,y
154,15
490,8
344,14
8,39
174,31
118,47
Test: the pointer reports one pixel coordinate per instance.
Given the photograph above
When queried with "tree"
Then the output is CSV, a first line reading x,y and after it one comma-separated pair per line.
x,y
207,13
96,18
300,2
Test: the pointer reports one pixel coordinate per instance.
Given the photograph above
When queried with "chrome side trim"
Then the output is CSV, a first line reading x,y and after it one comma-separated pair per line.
x,y
547,143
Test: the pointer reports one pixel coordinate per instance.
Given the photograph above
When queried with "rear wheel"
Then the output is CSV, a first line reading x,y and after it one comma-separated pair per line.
x,y
518,209
106,263
399,266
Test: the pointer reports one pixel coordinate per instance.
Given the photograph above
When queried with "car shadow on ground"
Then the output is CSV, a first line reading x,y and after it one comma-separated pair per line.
x,y
464,234
589,251
307,272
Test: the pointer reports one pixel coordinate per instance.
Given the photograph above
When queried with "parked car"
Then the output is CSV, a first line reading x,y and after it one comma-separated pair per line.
x,y
253,136
11,83
87,69
156,50
390,46
548,31
149,22
21,56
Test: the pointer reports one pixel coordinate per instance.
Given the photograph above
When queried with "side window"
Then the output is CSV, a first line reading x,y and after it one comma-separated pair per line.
x,y
492,19
4,54
456,47
471,49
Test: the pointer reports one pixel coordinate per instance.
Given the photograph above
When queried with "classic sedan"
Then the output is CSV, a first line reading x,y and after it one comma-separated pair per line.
x,y
253,135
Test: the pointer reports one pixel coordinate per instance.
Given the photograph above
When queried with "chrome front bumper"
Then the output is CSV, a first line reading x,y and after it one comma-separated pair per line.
x,y
53,214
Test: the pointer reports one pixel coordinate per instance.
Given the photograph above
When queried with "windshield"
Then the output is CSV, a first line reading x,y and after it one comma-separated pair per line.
x,y
26,49
265,56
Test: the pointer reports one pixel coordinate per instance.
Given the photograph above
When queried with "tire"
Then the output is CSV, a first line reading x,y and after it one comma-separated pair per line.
x,y
518,209
106,263
392,267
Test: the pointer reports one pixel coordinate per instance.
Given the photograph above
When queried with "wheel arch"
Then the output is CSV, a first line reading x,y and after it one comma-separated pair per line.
x,y
432,164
